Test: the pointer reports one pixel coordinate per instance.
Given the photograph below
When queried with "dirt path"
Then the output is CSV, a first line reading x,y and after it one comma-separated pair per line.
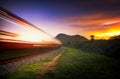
x,y
50,65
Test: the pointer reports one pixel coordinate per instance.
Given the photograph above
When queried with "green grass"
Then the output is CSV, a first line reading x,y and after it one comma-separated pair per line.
x,y
29,71
75,64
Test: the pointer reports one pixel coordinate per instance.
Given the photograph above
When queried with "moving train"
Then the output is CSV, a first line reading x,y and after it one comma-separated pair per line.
x,y
17,33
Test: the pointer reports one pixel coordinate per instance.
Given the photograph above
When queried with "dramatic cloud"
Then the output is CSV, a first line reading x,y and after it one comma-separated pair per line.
x,y
97,24
84,17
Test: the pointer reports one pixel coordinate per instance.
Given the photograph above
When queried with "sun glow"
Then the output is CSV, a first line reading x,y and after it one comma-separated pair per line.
x,y
106,35
111,29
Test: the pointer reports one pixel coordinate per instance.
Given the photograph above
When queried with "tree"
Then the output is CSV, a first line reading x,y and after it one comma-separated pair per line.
x,y
92,37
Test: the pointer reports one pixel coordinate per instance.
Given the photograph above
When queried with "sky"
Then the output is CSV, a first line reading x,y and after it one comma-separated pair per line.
x,y
84,17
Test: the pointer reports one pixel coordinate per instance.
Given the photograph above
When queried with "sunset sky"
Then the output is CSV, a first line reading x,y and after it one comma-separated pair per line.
x,y
84,17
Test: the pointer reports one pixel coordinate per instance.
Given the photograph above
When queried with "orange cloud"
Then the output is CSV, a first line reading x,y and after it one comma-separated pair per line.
x,y
99,24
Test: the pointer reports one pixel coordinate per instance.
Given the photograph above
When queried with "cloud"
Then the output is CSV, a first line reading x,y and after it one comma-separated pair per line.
x,y
94,23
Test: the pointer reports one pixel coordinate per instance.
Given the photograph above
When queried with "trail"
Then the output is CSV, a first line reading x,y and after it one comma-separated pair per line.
x,y
50,65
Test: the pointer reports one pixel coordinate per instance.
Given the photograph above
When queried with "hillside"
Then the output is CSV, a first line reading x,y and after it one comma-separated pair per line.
x,y
72,64
76,64
109,47
67,39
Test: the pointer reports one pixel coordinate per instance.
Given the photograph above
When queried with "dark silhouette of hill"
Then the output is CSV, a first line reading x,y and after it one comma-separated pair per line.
x,y
115,37
68,39
110,48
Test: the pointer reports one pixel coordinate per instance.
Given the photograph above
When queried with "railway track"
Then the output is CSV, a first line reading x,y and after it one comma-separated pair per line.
x,y
35,53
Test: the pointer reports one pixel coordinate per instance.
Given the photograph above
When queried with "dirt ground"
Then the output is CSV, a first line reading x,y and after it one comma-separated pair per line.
x,y
49,65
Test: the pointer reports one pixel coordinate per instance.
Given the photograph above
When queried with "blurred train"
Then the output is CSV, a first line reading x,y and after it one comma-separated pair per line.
x,y
16,33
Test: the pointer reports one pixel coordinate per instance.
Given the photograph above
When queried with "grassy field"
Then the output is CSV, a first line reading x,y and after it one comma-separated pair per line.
x,y
73,64
29,71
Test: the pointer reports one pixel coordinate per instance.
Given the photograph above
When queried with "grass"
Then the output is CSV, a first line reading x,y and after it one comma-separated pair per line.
x,y
75,64
29,71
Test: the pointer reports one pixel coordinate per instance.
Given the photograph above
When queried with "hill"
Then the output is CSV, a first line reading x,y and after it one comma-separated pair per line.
x,y
109,47
68,39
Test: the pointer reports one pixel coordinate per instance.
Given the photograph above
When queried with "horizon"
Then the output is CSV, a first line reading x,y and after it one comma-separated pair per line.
x,y
95,37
